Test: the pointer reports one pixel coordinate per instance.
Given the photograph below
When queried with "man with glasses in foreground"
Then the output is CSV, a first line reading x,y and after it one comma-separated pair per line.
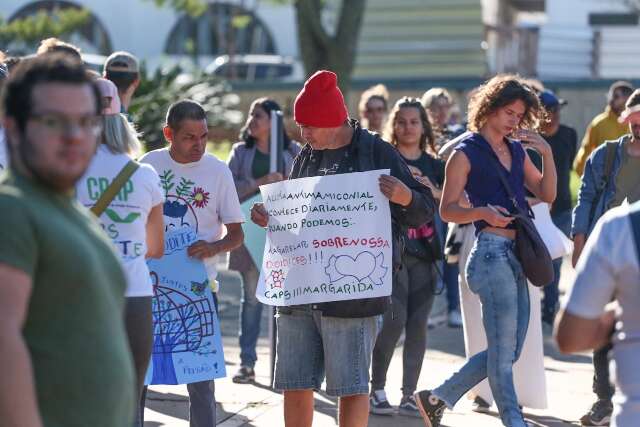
x,y
64,357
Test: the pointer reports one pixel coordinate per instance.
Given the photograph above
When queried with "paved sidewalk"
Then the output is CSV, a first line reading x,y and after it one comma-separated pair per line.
x,y
568,385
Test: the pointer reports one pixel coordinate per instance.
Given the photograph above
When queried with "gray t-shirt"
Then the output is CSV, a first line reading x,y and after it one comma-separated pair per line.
x,y
608,269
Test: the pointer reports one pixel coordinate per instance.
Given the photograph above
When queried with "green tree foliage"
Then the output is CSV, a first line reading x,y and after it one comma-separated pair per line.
x,y
154,95
193,8
42,25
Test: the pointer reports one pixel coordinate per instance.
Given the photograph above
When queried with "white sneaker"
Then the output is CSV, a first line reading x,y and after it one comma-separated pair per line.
x,y
454,319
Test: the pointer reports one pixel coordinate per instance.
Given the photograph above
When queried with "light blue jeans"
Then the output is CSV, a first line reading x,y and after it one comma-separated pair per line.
x,y
495,275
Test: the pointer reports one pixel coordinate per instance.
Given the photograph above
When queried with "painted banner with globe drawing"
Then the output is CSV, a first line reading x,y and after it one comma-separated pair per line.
x,y
328,239
187,345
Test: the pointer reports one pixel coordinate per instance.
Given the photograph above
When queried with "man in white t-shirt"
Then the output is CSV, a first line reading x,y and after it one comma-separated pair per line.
x,y
607,269
200,193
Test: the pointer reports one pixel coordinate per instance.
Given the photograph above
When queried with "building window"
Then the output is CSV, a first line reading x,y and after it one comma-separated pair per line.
x,y
92,37
222,29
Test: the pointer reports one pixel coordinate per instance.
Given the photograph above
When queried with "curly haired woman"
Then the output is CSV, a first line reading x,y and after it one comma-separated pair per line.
x,y
503,116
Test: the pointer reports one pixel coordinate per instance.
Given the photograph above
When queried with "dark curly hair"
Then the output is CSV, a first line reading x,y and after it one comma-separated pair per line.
x,y
502,90
427,139
268,105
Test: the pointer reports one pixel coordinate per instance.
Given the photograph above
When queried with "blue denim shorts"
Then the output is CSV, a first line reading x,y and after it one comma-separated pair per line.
x,y
310,346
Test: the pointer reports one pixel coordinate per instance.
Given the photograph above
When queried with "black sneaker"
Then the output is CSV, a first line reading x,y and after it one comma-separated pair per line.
x,y
599,415
408,407
480,405
378,403
245,375
431,408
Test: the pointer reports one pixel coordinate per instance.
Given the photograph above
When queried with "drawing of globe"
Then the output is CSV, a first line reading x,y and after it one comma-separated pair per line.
x,y
179,323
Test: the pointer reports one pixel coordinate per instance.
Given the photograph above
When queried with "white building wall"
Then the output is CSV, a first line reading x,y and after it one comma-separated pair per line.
x,y
566,42
143,29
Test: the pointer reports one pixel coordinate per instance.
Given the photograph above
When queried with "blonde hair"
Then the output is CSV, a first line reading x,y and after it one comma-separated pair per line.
x,y
433,94
53,44
500,91
378,91
119,135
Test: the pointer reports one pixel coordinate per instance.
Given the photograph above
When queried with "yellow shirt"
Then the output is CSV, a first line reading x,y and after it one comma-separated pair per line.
x,y
604,127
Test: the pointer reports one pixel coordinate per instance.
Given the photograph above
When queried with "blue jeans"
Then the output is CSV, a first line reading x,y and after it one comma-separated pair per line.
x,y
250,316
495,275
562,220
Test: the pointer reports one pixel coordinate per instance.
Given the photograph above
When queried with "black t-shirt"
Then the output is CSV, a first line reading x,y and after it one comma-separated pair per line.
x,y
418,238
332,162
430,167
564,145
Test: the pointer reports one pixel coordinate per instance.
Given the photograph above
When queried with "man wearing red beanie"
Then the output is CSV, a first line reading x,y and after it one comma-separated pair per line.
x,y
336,339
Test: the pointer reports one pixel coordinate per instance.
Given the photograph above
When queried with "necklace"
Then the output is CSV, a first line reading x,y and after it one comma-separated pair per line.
x,y
500,150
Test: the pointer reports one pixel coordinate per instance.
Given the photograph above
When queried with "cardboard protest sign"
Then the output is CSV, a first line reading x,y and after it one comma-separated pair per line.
x,y
328,239
186,334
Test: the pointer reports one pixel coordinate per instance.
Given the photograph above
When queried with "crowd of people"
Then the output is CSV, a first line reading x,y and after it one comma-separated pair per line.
x,y
85,208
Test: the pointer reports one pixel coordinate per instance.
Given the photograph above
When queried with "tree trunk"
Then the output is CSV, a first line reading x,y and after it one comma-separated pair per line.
x,y
321,51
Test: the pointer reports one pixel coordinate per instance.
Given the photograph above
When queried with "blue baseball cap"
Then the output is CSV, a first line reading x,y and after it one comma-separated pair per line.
x,y
550,101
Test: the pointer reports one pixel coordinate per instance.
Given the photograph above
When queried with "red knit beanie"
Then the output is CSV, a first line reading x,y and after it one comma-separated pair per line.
x,y
320,103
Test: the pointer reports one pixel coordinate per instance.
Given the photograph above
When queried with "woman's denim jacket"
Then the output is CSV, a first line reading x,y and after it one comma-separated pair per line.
x,y
594,169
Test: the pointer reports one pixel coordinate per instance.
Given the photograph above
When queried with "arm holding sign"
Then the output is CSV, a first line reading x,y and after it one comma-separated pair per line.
x,y
228,208
412,203
232,240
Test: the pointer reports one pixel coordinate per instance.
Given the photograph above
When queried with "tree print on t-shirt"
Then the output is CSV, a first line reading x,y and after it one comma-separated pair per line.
x,y
183,197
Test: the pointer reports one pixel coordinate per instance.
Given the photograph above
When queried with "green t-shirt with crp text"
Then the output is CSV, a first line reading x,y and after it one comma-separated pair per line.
x,y
74,328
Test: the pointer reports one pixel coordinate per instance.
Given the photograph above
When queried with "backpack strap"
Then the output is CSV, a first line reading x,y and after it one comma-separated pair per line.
x,y
610,156
114,188
608,164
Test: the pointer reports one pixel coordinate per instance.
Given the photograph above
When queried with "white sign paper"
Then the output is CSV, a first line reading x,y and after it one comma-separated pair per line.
x,y
328,239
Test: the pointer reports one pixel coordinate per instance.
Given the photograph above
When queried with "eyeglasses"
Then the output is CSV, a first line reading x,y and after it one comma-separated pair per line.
x,y
59,124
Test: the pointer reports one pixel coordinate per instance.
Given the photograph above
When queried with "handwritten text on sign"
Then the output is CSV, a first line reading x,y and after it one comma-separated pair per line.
x,y
328,239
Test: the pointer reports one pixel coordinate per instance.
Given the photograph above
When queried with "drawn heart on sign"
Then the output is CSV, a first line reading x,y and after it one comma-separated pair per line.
x,y
361,267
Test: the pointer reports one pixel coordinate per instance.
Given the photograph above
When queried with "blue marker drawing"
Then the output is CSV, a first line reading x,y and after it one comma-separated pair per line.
x,y
187,346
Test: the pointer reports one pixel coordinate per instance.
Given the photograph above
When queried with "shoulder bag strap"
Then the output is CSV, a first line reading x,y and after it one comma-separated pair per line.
x,y
506,185
114,188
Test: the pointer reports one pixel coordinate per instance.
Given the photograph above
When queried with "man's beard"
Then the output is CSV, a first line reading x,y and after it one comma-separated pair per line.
x,y
47,177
